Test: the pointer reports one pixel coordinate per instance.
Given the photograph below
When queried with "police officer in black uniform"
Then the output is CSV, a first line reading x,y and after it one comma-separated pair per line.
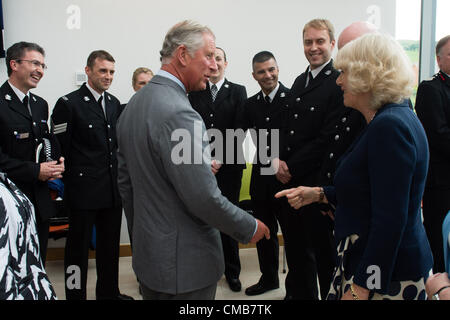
x,y
85,124
315,106
433,110
25,136
265,113
220,107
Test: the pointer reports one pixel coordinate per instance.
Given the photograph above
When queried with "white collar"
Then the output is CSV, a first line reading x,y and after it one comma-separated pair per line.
x,y
94,93
19,93
317,70
273,93
218,84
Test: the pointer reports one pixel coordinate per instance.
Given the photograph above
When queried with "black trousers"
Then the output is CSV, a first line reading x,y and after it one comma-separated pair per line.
x,y
107,223
229,183
268,210
436,204
42,227
310,252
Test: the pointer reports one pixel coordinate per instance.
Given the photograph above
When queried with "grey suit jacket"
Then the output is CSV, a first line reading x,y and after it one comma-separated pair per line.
x,y
175,210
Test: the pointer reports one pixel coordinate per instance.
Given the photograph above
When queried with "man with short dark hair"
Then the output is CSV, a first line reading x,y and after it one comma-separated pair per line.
x,y
220,106
85,124
24,134
433,110
266,112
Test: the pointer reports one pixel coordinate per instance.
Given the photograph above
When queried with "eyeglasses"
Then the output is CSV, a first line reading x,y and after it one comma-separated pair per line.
x,y
35,63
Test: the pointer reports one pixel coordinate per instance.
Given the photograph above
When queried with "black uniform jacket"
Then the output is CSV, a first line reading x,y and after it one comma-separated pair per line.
x,y
349,125
433,110
20,136
313,115
260,115
89,145
224,113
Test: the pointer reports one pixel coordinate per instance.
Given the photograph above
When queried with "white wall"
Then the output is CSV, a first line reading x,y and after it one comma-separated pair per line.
x,y
133,31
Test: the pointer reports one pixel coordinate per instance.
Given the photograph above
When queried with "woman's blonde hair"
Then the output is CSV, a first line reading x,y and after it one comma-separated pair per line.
x,y
377,64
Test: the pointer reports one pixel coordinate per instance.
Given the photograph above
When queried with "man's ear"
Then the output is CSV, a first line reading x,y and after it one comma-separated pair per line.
x,y
182,55
13,65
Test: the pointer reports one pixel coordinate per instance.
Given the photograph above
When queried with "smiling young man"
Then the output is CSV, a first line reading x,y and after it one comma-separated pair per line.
x,y
316,102
23,127
266,111
220,107
85,124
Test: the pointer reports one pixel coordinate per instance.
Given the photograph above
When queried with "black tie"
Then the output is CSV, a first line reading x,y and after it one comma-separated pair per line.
x,y
267,98
100,104
213,92
310,79
25,103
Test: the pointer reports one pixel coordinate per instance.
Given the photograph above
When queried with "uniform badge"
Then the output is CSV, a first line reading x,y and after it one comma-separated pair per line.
x,y
86,98
22,135
109,98
226,86
282,95
34,99
65,98
8,97
60,128
258,97
328,72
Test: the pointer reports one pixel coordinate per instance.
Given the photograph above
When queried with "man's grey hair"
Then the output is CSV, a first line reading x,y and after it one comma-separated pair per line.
x,y
187,33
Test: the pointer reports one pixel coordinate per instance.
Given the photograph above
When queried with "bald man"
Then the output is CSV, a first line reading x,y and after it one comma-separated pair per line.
x,y
355,30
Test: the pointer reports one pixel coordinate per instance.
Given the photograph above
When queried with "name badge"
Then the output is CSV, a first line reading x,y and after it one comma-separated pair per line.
x,y
22,135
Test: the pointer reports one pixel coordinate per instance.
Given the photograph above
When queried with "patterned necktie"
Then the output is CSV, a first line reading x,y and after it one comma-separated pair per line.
x,y
267,98
213,92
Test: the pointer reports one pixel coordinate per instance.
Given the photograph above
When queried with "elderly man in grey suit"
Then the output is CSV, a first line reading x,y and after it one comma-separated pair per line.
x,y
170,197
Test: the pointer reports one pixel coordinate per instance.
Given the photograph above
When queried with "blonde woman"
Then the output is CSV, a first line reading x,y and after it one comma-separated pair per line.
x,y
383,251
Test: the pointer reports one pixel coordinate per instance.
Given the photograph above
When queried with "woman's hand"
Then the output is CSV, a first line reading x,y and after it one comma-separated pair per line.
x,y
436,282
300,196
362,293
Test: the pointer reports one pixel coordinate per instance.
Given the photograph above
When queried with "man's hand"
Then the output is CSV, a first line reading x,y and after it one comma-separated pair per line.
x,y
329,213
51,170
215,166
282,171
261,231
